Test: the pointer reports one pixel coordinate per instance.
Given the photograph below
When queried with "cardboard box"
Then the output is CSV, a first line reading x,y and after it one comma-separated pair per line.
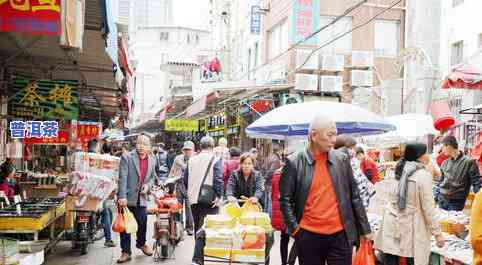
x,y
222,253
248,255
89,205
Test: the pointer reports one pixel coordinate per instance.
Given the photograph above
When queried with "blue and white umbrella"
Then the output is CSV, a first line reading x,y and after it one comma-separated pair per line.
x,y
293,120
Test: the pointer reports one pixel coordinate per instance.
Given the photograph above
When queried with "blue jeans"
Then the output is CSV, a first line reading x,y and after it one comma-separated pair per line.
x,y
106,217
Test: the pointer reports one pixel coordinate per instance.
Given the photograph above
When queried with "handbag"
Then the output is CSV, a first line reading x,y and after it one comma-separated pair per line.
x,y
207,195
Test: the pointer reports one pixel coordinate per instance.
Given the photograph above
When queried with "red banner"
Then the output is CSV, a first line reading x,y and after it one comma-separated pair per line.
x,y
63,138
86,133
31,16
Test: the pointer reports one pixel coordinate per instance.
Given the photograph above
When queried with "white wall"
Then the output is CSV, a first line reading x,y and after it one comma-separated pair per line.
x,y
461,23
245,55
152,52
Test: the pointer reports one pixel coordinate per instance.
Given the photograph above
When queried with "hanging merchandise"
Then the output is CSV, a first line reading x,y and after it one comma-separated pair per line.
x,y
14,149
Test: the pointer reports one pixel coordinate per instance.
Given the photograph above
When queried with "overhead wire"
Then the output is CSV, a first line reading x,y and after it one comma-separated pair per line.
x,y
345,14
348,32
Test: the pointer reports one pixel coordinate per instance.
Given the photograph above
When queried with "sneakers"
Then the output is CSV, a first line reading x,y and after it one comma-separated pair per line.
x,y
109,244
124,258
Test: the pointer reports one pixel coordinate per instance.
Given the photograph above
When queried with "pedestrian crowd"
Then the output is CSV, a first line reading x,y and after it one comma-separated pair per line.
x,y
317,195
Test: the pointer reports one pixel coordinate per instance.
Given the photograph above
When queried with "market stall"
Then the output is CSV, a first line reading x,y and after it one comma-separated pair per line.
x,y
457,249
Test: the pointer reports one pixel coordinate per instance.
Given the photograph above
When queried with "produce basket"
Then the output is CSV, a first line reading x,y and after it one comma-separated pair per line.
x,y
452,228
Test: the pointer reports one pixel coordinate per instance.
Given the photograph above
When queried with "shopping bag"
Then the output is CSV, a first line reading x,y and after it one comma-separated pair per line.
x,y
364,254
251,207
232,209
130,221
119,225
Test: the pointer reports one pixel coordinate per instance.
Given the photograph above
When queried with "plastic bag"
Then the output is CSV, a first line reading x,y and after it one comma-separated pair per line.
x,y
251,207
364,254
232,209
130,221
119,225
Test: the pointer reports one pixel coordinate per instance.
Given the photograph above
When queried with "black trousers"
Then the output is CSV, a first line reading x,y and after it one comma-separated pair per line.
x,y
140,214
199,213
389,259
284,244
316,249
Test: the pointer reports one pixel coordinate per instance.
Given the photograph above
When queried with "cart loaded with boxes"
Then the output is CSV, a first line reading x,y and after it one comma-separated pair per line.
x,y
239,235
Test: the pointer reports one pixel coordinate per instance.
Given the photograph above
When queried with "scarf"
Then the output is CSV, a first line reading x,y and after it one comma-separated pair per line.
x,y
409,169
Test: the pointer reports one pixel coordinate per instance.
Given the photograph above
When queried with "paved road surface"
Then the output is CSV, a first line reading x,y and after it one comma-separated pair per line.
x,y
99,255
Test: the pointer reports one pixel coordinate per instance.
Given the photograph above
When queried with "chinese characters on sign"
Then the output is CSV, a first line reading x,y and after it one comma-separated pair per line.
x,y
305,20
255,20
178,125
34,129
31,16
44,99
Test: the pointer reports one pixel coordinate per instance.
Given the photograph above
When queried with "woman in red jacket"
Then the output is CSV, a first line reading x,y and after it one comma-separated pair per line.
x,y
278,223
6,171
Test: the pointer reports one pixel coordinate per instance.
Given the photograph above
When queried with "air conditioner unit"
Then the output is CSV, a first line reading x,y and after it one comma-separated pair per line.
x,y
332,62
306,82
361,78
302,56
361,59
290,99
331,84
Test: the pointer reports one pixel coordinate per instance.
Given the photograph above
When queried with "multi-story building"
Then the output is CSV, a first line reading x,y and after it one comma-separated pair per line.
x,y
461,42
358,64
246,38
166,57
420,60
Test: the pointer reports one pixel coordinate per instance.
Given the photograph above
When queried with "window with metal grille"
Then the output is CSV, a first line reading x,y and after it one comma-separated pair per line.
x,y
457,53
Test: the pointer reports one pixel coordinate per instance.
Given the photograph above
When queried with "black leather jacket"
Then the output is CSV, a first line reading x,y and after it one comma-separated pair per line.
x,y
295,184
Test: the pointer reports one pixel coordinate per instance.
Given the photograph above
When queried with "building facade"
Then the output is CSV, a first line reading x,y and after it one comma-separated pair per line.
x,y
461,42
165,56
376,45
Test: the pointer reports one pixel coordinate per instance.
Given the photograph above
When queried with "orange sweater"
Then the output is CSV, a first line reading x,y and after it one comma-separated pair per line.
x,y
321,214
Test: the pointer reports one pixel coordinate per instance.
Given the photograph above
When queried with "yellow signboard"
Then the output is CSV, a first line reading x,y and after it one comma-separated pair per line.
x,y
178,125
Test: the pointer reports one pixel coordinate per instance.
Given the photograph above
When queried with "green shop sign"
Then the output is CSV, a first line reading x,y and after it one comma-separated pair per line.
x,y
44,99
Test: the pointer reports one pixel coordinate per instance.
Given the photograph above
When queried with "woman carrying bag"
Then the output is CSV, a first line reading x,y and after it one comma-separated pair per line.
x,y
408,219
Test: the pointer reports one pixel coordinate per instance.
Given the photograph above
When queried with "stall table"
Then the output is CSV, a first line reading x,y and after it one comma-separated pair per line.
x,y
34,225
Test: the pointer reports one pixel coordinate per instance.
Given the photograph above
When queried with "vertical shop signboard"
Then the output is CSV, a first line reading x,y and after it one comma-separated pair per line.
x,y
305,20
44,99
255,20
40,17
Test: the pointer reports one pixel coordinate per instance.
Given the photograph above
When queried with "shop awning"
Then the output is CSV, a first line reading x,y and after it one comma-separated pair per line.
x,y
214,101
41,57
473,110
467,75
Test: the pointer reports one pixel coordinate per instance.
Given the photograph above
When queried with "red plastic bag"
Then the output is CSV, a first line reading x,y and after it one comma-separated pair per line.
x,y
364,254
119,225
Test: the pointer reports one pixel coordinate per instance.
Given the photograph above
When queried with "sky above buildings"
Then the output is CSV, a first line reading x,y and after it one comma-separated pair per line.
x,y
191,13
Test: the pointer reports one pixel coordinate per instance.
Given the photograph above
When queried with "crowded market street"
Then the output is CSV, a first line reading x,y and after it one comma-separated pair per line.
x,y
250,132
